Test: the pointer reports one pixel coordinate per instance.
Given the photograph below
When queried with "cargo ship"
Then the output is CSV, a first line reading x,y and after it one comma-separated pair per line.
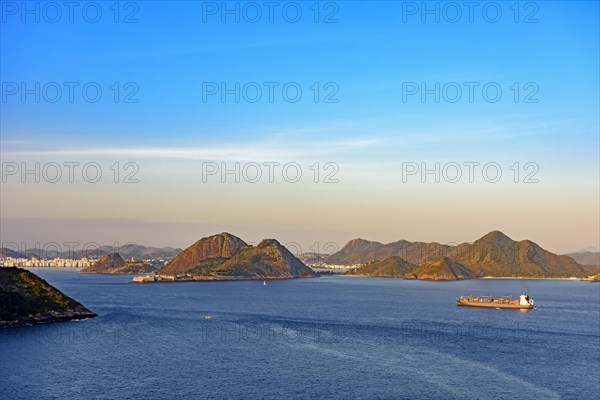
x,y
522,303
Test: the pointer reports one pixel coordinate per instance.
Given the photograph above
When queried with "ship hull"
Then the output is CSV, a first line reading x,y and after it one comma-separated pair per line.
x,y
495,305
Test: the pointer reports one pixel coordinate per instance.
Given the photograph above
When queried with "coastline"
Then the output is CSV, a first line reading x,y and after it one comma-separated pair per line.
x,y
531,278
218,279
481,277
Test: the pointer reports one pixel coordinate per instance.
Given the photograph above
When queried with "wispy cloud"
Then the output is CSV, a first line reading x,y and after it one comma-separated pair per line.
x,y
249,152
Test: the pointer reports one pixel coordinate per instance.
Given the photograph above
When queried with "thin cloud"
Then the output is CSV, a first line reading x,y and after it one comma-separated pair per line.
x,y
256,152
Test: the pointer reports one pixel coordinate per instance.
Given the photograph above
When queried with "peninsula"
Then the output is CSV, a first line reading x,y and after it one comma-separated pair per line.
x,y
28,299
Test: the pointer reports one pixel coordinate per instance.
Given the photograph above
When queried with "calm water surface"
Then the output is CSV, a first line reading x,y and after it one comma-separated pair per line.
x,y
326,338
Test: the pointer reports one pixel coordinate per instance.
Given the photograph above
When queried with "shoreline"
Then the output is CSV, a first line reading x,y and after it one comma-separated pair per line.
x,y
220,279
530,278
480,277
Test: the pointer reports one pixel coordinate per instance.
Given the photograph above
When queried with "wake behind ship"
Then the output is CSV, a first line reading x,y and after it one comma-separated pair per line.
x,y
523,302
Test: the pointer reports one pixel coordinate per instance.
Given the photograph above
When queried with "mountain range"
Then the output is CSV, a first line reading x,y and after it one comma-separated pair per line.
x,y
494,254
134,251
359,251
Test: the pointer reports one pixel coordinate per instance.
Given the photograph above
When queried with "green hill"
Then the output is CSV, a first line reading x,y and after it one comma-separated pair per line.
x,y
495,254
390,267
225,256
114,264
443,269
360,251
27,298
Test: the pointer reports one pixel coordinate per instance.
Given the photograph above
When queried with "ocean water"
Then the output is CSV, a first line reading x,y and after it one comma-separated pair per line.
x,y
327,338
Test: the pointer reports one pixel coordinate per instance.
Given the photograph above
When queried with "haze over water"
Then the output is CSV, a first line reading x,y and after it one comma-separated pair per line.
x,y
329,337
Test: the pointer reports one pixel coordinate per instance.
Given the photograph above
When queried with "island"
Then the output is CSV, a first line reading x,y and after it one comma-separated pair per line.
x,y
493,255
227,257
28,299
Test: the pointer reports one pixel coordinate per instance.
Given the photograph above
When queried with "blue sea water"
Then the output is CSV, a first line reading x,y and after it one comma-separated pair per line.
x,y
326,338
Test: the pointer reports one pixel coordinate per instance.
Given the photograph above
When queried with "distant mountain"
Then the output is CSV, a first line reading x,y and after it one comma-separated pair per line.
x,y
312,258
225,256
592,249
495,254
439,269
27,298
6,252
390,267
586,257
360,251
443,269
114,264
131,250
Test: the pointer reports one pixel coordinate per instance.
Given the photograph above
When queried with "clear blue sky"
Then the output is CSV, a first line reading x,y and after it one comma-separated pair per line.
x,y
369,54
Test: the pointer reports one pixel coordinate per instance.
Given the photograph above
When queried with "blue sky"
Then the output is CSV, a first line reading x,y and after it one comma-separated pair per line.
x,y
369,55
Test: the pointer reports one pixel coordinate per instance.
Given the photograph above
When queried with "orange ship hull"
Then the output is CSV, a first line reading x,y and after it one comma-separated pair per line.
x,y
492,304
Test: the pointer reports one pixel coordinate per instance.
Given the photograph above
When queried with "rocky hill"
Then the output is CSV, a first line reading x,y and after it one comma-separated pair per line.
x,y
495,254
27,298
390,267
268,259
204,254
443,269
114,264
360,251
229,257
439,269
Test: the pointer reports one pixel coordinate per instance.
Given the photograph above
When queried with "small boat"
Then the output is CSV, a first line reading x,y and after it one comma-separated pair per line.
x,y
264,283
523,302
207,317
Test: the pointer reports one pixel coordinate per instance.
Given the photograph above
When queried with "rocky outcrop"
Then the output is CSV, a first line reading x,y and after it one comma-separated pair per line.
x,y
229,257
268,260
391,267
443,269
204,254
114,264
360,251
27,298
